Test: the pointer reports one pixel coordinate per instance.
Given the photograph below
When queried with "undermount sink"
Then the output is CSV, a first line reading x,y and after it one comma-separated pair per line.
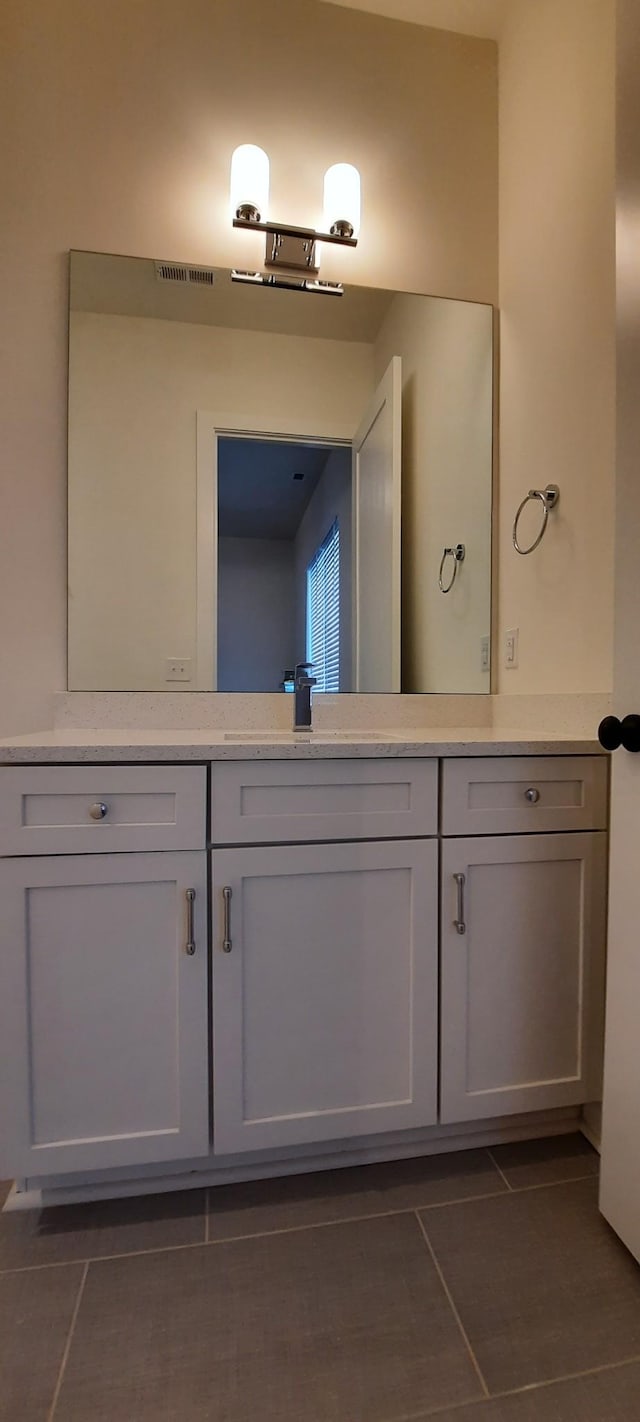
x,y
308,737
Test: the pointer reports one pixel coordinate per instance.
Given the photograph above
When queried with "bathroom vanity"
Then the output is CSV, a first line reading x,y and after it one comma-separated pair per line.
x,y
241,957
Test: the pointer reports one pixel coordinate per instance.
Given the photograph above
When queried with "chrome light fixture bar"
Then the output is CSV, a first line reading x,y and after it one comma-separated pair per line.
x,y
293,248
289,283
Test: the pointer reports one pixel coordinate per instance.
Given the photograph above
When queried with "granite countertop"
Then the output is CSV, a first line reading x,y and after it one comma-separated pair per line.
x,y
107,745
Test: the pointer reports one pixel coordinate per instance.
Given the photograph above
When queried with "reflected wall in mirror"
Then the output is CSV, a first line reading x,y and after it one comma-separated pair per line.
x,y
259,477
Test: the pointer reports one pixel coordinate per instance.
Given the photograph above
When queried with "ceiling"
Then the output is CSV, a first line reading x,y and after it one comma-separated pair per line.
x,y
258,496
481,18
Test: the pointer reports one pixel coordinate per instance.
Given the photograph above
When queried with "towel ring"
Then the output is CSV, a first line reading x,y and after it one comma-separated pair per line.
x,y
457,554
548,498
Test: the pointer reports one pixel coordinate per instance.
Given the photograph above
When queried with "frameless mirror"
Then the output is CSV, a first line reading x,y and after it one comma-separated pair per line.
x,y
260,477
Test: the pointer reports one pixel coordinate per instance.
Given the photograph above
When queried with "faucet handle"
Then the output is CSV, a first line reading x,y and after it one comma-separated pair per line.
x,y
301,674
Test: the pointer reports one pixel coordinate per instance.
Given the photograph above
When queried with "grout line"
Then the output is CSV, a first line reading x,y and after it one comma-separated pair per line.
x,y
552,1184
527,1391
103,1258
438,1411
572,1377
446,1407
358,1219
500,1172
294,1229
67,1349
452,1305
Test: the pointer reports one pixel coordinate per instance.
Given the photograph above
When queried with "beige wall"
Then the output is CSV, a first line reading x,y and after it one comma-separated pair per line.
x,y
136,385
557,85
446,351
119,121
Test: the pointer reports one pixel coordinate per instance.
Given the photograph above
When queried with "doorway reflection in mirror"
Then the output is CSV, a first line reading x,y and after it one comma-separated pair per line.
x,y
284,563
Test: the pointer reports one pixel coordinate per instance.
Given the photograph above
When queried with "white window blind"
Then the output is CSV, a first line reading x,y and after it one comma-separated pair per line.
x,y
323,612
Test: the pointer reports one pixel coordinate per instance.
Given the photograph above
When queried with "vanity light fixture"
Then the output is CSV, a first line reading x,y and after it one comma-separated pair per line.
x,y
290,249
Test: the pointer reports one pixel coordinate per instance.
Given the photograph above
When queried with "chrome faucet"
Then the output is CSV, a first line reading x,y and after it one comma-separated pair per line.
x,y
302,684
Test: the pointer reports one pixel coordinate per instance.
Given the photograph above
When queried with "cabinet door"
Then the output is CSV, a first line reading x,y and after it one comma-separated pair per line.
x,y
325,1007
103,1012
523,985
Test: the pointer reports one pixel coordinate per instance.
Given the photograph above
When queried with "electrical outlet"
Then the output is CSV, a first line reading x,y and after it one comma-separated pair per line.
x,y
177,669
485,654
511,647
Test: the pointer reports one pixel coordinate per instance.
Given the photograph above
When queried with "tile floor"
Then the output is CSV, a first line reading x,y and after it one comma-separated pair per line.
x,y
477,1287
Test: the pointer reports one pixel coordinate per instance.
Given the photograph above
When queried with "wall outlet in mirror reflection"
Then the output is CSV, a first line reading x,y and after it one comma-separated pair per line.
x,y
485,654
178,669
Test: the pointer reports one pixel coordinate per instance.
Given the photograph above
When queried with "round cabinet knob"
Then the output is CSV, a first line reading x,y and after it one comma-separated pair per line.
x,y
610,733
630,733
99,810
532,795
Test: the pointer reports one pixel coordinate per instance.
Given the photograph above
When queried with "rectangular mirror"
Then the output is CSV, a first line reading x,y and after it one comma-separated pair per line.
x,y
261,477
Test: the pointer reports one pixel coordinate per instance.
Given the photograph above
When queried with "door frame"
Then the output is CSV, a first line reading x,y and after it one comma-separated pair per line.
x,y
210,426
388,389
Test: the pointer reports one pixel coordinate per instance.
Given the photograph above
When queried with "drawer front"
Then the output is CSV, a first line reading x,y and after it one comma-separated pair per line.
x,y
280,802
521,793
89,809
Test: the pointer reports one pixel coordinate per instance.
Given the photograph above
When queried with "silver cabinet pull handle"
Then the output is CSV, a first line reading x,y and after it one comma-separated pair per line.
x,y
190,945
459,923
99,811
227,943
532,795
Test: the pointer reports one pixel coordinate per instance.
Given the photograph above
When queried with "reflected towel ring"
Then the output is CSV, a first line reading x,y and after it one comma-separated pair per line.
x,y
457,554
548,498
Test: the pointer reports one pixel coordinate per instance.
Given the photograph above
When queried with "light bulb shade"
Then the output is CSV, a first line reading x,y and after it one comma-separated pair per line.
x,y
249,194
342,199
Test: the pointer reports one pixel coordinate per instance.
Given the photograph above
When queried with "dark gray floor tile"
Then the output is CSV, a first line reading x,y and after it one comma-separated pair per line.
x,y
543,1286
69,1232
544,1162
35,1315
342,1194
343,1324
611,1396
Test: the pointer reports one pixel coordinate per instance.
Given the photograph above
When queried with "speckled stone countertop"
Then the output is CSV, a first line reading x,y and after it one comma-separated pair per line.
x,y
108,745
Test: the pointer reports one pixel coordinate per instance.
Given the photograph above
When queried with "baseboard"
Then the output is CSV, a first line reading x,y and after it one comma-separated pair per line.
x,y
36,1194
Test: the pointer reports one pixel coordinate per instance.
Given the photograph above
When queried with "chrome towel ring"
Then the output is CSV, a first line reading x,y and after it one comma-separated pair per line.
x,y
548,498
457,554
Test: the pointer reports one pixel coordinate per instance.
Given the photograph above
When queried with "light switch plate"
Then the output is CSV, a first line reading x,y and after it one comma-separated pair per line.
x,y
511,647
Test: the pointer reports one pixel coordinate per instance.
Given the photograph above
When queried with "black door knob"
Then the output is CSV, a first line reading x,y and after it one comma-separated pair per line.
x,y
631,733
610,733
613,733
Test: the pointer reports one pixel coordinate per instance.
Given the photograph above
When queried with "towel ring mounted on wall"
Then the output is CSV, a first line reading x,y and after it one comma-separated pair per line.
x,y
549,499
457,554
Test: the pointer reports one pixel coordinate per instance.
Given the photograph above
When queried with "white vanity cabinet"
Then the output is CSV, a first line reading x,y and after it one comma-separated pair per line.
x,y
294,971
103,1009
522,935
325,1004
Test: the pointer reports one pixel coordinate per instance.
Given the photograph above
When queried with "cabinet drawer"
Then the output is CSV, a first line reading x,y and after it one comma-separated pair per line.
x,y
88,809
280,802
521,793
